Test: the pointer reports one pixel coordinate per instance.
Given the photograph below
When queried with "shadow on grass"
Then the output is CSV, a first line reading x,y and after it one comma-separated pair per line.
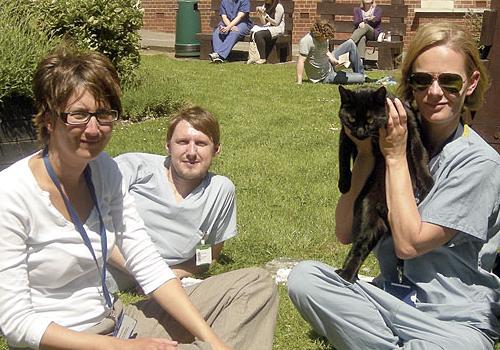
x,y
320,340
225,259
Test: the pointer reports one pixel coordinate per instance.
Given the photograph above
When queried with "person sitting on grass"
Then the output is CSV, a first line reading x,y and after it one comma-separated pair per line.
x,y
320,64
234,25
63,209
188,211
181,202
436,288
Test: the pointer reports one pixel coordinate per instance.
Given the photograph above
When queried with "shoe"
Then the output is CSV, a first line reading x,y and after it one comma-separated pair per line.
x,y
389,80
213,56
369,80
260,61
218,60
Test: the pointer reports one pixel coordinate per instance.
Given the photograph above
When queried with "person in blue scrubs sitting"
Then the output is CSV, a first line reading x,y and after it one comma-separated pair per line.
x,y
235,24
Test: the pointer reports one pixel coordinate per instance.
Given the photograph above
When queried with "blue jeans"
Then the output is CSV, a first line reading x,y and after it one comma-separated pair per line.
x,y
357,76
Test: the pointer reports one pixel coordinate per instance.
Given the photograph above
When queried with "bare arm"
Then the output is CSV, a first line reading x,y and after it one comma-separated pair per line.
x,y
188,268
300,68
117,260
278,16
362,168
412,237
57,337
232,25
174,300
225,20
184,269
261,12
332,58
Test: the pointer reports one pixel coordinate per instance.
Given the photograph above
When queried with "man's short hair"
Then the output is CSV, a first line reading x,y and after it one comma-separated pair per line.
x,y
200,119
322,28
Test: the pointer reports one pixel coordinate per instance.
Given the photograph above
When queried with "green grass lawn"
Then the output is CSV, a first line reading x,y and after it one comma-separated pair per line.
x,y
279,147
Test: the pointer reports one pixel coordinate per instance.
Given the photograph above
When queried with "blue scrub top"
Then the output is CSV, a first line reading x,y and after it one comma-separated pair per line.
x,y
230,8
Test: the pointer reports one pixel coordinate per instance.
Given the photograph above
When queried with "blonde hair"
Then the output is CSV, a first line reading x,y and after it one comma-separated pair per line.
x,y
457,39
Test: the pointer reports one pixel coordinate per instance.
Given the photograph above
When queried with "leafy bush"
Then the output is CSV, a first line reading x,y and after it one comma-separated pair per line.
x,y
155,95
22,44
108,26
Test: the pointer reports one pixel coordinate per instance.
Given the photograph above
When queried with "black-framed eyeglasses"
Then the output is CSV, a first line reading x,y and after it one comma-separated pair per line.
x,y
104,117
450,82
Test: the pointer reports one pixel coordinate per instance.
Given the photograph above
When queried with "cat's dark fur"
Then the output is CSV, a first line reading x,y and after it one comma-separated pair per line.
x,y
364,113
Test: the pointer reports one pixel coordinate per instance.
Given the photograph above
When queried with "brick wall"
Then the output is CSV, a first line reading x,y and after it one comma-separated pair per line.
x,y
159,15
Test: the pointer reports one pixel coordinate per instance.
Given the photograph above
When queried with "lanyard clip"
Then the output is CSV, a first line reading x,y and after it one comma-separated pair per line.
x,y
400,268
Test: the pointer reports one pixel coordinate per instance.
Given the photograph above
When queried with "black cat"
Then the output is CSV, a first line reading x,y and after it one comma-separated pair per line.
x,y
363,112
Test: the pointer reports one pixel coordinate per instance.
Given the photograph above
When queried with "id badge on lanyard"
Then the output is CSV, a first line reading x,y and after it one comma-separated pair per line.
x,y
124,327
403,291
79,225
203,252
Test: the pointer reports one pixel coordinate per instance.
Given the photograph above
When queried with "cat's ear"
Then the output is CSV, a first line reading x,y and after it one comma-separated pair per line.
x,y
381,94
344,94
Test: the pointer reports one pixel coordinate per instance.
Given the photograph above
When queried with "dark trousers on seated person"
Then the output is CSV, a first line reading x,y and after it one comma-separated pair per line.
x,y
264,42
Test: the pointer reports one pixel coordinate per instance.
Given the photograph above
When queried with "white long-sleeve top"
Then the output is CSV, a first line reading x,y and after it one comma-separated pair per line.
x,y
47,274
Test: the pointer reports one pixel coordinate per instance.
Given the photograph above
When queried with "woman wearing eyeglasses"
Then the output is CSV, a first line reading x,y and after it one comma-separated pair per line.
x,y
61,212
435,289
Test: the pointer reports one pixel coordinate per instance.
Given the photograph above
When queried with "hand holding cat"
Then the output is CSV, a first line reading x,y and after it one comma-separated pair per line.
x,y
364,147
393,137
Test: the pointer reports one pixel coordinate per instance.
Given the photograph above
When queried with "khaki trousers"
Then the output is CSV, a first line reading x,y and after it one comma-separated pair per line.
x,y
241,307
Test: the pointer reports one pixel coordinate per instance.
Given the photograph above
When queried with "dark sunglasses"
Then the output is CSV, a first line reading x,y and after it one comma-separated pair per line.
x,y
449,82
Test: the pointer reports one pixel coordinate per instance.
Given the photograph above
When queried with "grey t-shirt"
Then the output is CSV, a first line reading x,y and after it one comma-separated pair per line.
x,y
453,281
317,64
176,228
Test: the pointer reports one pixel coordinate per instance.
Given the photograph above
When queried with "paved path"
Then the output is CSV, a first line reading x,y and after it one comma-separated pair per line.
x,y
165,42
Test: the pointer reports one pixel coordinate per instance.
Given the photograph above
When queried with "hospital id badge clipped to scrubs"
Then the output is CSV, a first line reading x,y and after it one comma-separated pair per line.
x,y
402,292
124,327
203,253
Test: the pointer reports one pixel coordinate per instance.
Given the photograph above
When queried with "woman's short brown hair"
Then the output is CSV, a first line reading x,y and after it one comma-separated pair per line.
x,y
66,72
200,119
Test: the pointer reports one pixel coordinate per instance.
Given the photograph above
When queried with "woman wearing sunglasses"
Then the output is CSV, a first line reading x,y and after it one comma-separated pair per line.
x,y
435,289
61,212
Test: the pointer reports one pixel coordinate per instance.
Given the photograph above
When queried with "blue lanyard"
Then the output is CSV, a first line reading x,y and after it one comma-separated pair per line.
x,y
78,224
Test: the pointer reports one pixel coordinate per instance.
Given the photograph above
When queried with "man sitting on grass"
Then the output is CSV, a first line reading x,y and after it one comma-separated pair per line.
x,y
321,65
183,205
188,211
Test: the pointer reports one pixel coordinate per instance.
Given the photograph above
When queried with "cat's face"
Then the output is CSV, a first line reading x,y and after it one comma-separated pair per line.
x,y
363,111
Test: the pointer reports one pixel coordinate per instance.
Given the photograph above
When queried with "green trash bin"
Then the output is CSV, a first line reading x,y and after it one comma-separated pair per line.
x,y
187,24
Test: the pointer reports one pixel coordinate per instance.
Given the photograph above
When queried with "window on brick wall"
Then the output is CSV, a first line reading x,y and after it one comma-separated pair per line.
x,y
437,4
